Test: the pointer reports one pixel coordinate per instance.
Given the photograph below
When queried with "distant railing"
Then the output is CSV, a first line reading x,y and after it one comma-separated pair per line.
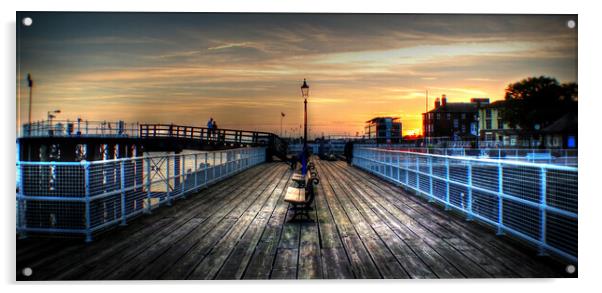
x,y
62,128
566,157
206,134
274,143
86,197
534,202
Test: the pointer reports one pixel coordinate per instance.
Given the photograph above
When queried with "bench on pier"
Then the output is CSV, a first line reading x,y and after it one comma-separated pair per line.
x,y
301,196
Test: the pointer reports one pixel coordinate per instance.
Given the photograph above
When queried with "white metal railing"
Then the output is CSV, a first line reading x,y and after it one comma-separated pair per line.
x,y
80,128
566,157
85,197
532,201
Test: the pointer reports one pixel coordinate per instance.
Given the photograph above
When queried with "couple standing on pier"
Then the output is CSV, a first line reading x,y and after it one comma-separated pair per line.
x,y
211,128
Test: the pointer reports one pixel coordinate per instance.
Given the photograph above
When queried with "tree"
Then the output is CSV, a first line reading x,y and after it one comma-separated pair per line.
x,y
535,102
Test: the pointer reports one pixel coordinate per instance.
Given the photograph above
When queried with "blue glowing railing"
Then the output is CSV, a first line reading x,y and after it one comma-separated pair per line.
x,y
533,202
86,197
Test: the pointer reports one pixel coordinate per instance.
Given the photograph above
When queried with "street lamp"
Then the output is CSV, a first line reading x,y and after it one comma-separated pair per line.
x,y
305,94
51,115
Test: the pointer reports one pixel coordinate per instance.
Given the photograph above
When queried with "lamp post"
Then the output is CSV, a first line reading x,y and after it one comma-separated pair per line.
x,y
51,115
305,94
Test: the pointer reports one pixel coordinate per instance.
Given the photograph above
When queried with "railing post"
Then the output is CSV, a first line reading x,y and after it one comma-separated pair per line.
x,y
206,167
122,186
398,167
168,193
447,184
542,207
418,175
196,171
407,170
182,175
148,185
500,202
469,193
87,195
214,167
22,210
431,195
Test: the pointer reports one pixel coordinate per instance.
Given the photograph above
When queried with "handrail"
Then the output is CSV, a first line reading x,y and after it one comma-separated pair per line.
x,y
484,160
531,201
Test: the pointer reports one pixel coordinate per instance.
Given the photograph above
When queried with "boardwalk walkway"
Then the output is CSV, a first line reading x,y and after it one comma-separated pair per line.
x,y
361,227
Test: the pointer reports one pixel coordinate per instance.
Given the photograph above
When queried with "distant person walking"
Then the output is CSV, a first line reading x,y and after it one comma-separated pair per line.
x,y
210,128
214,129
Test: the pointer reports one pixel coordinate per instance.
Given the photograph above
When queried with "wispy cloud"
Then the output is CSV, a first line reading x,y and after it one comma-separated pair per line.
x,y
245,69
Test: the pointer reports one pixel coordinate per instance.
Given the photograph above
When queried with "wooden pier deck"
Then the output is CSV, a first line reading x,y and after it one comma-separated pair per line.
x,y
360,227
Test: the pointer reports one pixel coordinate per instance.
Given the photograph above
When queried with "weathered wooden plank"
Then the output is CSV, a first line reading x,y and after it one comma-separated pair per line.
x,y
99,271
491,266
187,263
285,265
400,225
261,263
310,266
127,270
335,263
361,262
237,262
386,262
111,245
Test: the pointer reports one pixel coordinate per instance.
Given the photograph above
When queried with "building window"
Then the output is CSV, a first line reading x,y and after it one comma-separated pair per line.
x,y
463,116
488,113
463,128
500,124
456,123
488,124
448,116
438,116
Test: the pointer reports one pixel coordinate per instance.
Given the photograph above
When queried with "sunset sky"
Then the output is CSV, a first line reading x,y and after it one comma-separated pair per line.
x,y
245,69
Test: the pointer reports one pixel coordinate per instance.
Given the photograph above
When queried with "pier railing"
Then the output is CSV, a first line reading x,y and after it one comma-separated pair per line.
x,y
566,157
87,197
533,202
205,134
74,128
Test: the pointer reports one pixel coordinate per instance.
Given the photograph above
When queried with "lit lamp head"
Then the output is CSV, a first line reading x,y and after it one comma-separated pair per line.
x,y
305,89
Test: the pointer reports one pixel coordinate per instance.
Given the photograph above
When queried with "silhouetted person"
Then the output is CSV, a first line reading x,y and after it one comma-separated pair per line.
x,y
209,127
214,129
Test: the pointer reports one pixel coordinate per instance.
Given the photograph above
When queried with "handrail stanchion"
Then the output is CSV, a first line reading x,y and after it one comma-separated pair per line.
x,y
196,171
447,179
168,193
206,168
214,167
469,193
87,195
148,185
431,193
182,175
417,174
542,208
500,202
122,187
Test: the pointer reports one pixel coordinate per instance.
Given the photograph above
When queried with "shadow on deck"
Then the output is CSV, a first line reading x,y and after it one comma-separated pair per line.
x,y
360,227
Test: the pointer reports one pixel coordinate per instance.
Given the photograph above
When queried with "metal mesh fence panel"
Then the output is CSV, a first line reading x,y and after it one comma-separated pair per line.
x,y
536,202
84,197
